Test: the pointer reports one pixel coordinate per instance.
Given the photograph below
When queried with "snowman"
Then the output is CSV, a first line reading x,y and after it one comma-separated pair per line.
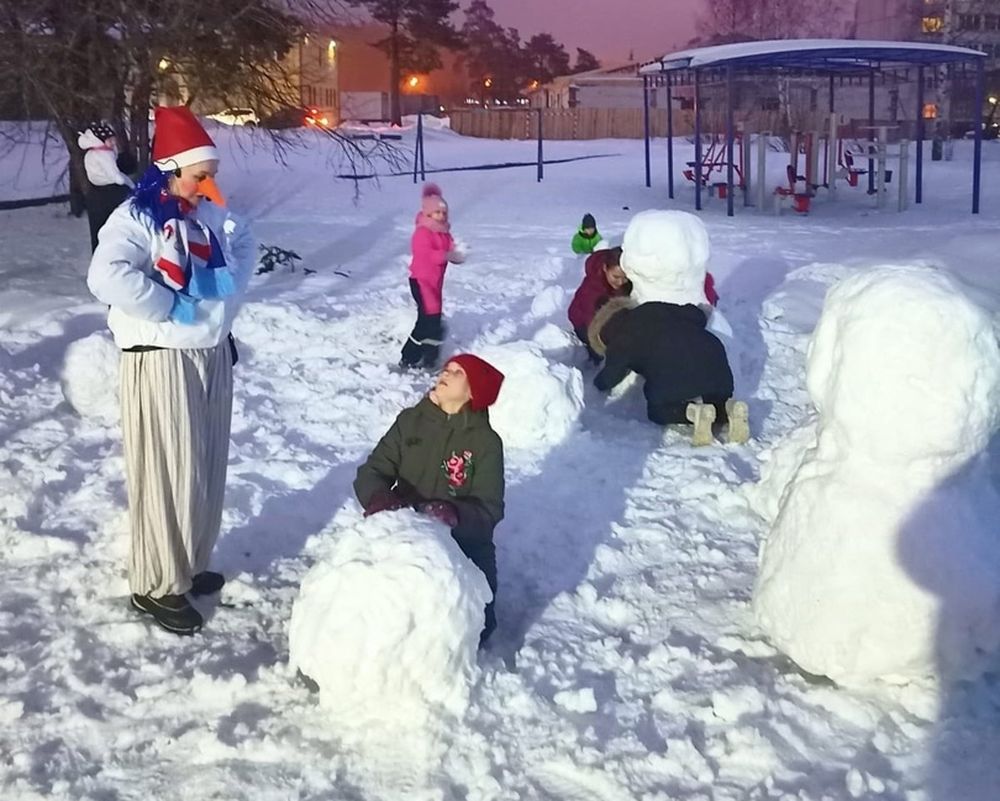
x,y
883,562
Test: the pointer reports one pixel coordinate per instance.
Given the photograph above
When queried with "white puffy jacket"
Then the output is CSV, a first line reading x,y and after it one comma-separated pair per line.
x,y
121,274
99,162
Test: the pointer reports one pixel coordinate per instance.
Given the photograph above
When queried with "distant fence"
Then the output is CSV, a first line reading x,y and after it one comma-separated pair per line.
x,y
571,123
627,123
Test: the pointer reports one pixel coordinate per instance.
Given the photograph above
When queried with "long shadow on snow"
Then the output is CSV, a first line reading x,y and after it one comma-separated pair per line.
x,y
742,294
557,518
962,760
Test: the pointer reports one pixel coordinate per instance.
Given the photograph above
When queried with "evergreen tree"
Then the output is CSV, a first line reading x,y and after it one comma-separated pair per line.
x,y
586,61
546,57
493,54
416,29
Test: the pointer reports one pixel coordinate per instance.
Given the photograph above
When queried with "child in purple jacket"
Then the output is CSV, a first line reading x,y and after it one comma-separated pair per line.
x,y
433,248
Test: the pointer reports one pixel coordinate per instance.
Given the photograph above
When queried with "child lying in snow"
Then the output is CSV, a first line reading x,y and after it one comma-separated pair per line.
x,y
443,458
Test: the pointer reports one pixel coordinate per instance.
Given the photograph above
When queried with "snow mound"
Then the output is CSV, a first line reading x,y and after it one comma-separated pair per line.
x,y
541,400
388,623
90,378
549,301
883,561
665,255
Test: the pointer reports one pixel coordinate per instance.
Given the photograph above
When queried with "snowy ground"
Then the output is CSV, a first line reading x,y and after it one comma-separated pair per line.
x,y
626,665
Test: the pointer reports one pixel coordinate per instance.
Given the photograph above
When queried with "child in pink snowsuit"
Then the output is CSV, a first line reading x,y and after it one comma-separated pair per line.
x,y
433,247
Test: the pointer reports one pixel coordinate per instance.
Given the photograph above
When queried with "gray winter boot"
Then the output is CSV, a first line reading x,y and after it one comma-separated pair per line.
x,y
702,415
739,421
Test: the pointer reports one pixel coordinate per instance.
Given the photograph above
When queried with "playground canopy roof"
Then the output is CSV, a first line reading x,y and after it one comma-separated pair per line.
x,y
827,55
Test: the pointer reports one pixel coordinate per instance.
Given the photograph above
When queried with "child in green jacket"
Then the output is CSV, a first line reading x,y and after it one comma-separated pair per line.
x,y
586,239
442,458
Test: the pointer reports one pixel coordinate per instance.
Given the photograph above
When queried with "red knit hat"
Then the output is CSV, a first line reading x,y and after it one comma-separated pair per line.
x,y
484,380
180,141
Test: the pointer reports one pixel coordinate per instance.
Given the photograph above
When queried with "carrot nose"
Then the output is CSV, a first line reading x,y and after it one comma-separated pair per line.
x,y
209,189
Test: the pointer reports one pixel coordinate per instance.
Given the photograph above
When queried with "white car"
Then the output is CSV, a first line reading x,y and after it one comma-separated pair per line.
x,y
236,116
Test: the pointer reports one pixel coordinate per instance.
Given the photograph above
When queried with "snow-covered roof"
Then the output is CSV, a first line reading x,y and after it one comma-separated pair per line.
x,y
823,54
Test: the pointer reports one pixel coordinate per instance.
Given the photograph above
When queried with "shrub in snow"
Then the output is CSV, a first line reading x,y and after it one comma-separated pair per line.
x,y
90,378
884,561
540,401
388,623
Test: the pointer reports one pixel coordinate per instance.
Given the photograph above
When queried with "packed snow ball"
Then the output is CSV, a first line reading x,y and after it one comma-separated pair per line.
x,y
541,400
665,255
388,623
90,378
883,561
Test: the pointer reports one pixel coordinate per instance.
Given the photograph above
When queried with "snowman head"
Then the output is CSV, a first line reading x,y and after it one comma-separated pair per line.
x,y
903,366
665,256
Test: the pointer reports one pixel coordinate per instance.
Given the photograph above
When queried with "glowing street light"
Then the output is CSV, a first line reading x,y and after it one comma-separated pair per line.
x,y
488,83
164,65
413,82
993,100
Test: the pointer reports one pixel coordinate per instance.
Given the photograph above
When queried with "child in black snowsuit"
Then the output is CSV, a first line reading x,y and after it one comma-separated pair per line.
x,y
687,375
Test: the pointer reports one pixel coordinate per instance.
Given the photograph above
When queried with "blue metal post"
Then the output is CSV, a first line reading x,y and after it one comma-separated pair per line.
x,y
645,126
871,128
420,125
697,140
920,136
977,159
541,157
670,137
416,150
730,137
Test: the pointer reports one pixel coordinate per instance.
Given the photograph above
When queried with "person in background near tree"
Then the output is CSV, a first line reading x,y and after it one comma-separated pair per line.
x,y
585,240
443,458
174,269
433,248
109,186
603,279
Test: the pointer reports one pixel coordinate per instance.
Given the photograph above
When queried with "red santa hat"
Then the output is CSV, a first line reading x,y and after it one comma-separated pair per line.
x,y
484,380
180,140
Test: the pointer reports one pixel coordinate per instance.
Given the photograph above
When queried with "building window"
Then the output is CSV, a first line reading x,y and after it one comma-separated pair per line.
x,y
574,97
932,24
930,111
331,52
969,22
991,22
770,104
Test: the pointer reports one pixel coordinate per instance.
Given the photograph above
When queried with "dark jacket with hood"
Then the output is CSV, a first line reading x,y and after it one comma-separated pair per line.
x,y
667,345
436,456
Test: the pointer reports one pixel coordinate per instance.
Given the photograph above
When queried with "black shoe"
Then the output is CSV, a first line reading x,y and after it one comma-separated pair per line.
x,y
207,583
171,612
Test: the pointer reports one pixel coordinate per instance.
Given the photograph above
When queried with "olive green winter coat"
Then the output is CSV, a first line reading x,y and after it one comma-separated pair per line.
x,y
457,458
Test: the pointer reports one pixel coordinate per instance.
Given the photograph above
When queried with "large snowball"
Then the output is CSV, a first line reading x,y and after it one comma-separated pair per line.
x,y
90,378
884,561
388,623
665,255
540,401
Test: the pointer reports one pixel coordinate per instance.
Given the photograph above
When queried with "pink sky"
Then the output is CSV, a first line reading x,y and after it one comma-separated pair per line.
x,y
608,28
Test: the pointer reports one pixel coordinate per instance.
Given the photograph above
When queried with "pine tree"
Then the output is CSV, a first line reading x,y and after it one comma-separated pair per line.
x,y
416,29
586,61
492,53
546,57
